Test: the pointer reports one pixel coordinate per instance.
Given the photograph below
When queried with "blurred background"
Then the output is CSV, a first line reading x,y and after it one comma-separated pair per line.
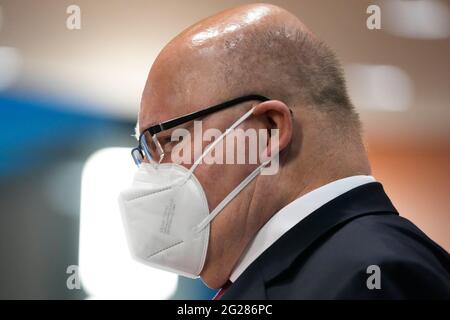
x,y
68,106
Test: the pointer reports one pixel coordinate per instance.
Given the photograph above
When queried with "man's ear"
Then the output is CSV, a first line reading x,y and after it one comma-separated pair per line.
x,y
278,116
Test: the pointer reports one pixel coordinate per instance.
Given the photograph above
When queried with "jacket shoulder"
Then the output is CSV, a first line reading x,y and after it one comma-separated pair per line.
x,y
340,263
387,237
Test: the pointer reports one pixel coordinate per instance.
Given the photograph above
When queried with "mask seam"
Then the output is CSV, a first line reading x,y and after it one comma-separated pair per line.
x,y
171,186
173,245
149,194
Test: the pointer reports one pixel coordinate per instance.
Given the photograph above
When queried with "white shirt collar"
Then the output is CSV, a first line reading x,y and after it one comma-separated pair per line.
x,y
291,215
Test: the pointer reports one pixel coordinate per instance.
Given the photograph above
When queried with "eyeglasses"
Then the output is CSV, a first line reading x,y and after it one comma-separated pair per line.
x,y
149,147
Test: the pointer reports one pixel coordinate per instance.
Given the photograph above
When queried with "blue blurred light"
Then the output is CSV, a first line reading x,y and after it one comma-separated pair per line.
x,y
29,125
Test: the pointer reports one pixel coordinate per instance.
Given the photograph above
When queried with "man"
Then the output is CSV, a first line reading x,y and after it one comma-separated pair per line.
x,y
321,227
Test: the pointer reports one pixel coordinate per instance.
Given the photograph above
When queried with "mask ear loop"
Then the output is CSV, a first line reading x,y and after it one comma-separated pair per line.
x,y
219,139
230,197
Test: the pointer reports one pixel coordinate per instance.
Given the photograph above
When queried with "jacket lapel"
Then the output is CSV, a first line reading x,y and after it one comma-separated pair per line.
x,y
364,200
249,286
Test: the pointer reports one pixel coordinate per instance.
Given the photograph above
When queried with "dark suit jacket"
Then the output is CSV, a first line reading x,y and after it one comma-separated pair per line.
x,y
326,256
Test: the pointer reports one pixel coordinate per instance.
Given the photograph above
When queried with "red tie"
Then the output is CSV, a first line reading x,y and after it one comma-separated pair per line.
x,y
222,290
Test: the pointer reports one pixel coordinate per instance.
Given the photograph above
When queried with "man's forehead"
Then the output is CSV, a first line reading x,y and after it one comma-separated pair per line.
x,y
155,111
156,114
165,100
150,118
177,86
139,129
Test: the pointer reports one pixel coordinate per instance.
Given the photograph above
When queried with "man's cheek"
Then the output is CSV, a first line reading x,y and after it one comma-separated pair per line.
x,y
215,181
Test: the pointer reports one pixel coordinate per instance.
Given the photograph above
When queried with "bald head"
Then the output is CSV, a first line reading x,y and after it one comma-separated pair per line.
x,y
264,50
256,48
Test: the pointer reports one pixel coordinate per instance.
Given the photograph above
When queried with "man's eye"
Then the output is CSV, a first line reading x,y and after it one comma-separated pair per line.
x,y
166,140
168,144
177,139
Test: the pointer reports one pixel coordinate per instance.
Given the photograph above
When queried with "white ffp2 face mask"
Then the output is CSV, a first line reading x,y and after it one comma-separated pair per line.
x,y
166,215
